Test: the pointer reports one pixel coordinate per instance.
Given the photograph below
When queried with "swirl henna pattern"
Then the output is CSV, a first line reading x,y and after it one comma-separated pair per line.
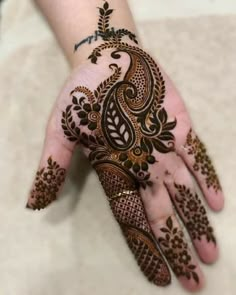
x,y
124,114
127,207
124,128
121,124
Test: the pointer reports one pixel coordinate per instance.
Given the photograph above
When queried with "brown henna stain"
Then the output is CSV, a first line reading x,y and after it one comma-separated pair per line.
x,y
126,123
176,251
202,162
127,207
125,114
195,217
47,183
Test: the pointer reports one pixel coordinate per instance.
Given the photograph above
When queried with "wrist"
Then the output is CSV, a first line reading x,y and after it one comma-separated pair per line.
x,y
84,50
74,21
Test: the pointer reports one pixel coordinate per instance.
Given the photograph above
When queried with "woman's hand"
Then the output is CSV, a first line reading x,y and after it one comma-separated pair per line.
x,y
134,128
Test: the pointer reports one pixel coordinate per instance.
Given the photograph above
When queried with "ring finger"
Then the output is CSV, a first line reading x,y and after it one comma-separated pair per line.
x,y
170,237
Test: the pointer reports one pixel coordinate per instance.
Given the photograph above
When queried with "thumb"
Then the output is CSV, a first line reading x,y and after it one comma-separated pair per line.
x,y
54,163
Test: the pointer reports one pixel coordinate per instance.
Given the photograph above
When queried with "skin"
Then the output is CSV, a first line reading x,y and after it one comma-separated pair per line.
x,y
170,174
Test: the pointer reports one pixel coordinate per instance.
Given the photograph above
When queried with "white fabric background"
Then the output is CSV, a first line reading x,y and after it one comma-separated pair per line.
x,y
75,246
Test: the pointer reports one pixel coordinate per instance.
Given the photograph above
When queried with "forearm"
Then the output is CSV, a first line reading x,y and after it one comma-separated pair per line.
x,y
74,20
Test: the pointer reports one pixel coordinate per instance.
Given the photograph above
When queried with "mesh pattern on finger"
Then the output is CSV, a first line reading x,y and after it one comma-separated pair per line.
x,y
128,209
114,184
147,256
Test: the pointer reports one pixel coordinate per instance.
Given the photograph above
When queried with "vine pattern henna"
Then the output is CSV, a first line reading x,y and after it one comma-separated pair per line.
x,y
127,207
125,113
195,217
121,123
104,31
202,161
109,33
176,251
47,183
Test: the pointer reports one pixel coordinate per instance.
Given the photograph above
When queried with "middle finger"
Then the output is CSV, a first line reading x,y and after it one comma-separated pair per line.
x,y
191,210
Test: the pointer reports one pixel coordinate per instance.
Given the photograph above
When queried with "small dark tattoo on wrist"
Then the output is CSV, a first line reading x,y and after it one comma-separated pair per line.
x,y
88,40
47,183
203,162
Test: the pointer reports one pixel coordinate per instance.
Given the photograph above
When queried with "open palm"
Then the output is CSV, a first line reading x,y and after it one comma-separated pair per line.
x,y
137,134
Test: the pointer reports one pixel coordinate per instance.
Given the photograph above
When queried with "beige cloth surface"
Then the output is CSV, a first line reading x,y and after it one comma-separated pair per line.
x,y
75,246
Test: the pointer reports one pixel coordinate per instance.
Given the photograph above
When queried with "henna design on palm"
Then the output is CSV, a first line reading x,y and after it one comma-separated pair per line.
x,y
125,114
121,124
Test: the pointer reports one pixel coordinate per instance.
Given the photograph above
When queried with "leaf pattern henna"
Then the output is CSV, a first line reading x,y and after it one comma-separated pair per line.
x,y
47,183
195,217
202,162
124,115
109,33
121,124
176,251
127,207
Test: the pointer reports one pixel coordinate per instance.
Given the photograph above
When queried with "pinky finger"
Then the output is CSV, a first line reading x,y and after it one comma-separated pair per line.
x,y
51,173
195,156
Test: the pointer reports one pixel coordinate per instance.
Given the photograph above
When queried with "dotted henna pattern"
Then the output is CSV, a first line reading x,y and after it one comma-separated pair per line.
x,y
176,251
121,124
124,115
194,213
47,183
202,161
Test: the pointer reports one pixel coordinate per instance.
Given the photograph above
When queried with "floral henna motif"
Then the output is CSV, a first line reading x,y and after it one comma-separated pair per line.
x,y
121,123
194,213
127,207
202,161
124,115
104,31
47,183
176,251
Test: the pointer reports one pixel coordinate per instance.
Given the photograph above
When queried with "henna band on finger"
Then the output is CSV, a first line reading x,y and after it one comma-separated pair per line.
x,y
129,212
